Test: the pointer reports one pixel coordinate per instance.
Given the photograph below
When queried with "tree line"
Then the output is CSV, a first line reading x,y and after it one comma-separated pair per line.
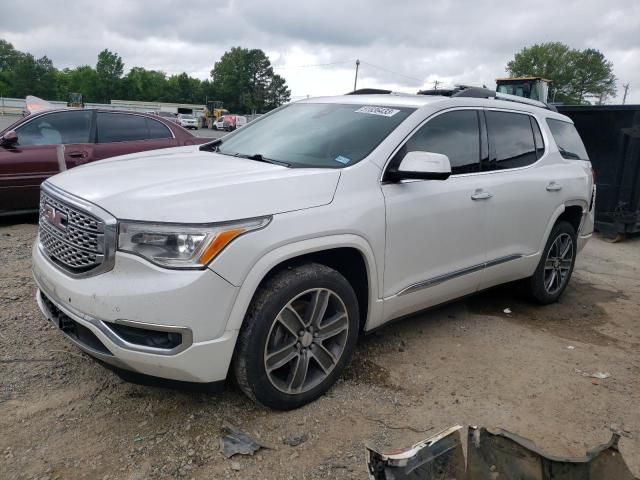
x,y
242,79
578,76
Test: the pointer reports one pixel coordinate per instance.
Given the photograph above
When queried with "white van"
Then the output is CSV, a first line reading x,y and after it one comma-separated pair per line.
x,y
230,122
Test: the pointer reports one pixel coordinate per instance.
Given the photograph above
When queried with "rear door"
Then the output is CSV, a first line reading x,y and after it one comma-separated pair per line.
x,y
520,179
122,133
43,148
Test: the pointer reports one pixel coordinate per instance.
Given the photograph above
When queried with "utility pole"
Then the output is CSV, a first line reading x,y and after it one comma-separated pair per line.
x,y
626,90
355,82
435,84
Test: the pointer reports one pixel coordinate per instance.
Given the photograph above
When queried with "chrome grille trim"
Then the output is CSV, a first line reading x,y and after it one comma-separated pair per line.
x,y
85,246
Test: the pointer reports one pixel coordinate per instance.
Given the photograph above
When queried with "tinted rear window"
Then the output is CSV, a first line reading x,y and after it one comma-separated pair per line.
x,y
511,138
122,127
568,141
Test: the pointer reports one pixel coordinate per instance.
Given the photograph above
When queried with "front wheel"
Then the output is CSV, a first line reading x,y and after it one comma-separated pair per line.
x,y
556,265
299,333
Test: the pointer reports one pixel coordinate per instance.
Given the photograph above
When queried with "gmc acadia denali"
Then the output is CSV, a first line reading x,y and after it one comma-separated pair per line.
x,y
266,253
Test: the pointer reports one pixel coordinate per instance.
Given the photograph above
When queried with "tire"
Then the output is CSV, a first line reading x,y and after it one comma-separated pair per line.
x,y
267,336
554,271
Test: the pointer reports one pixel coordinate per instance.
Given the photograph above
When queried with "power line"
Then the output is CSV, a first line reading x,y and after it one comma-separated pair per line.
x,y
312,65
349,61
391,71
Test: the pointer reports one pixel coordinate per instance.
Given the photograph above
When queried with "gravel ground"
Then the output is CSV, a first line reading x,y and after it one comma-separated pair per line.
x,y
64,416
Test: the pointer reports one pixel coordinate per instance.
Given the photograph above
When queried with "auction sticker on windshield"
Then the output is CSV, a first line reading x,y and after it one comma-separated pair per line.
x,y
384,111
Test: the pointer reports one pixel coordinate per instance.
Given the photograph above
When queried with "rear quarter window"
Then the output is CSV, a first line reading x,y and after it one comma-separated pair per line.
x,y
157,129
568,140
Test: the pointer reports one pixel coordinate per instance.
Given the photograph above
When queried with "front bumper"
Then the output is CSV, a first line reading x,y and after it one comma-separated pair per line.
x,y
196,304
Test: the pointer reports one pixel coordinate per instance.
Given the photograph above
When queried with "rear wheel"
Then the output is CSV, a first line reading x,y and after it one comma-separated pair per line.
x,y
556,265
298,335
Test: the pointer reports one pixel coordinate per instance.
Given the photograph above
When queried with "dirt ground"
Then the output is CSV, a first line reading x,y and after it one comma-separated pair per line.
x,y
64,416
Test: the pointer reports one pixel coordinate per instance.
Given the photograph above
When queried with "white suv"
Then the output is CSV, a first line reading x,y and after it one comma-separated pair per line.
x,y
268,252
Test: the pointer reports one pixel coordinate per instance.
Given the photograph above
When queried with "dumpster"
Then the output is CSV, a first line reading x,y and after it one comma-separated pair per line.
x,y
611,135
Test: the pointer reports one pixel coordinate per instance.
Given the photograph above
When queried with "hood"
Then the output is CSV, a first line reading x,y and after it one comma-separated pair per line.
x,y
187,185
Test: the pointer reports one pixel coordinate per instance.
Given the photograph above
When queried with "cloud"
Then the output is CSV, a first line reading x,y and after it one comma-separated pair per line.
x,y
403,45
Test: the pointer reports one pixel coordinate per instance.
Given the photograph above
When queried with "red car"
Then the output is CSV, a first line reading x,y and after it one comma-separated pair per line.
x,y
48,142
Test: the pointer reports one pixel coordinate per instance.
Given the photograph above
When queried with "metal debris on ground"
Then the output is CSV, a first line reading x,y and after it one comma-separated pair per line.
x,y
237,442
599,375
295,440
492,455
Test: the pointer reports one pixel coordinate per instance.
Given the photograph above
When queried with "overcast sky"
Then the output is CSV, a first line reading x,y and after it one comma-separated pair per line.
x,y
403,45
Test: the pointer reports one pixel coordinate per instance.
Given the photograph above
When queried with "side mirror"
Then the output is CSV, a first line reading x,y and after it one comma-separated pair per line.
x,y
9,139
422,166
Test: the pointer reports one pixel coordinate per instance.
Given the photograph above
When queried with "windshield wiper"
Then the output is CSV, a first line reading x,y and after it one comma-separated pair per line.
x,y
211,146
260,158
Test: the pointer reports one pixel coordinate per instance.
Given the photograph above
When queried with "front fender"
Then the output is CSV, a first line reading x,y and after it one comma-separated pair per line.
x,y
296,249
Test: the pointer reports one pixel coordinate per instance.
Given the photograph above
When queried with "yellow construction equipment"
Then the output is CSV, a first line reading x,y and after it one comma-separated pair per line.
x,y
75,100
212,112
535,88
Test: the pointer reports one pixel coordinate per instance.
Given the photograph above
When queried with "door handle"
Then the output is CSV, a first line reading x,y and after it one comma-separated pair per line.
x,y
554,187
78,154
481,195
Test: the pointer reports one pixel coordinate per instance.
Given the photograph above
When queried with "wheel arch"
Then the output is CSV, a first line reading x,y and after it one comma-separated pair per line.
x,y
572,211
334,251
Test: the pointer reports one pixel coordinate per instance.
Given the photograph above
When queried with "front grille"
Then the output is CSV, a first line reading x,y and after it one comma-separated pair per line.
x,y
70,237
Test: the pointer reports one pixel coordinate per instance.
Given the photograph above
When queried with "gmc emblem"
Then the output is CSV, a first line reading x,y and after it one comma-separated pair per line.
x,y
55,217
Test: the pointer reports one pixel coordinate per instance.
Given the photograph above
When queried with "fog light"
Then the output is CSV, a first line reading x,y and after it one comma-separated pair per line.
x,y
146,337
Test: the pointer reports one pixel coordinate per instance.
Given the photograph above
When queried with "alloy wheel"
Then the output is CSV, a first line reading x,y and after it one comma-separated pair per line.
x,y
306,341
558,263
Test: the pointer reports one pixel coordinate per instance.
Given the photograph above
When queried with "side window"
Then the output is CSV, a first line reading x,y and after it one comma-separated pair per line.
x,y
568,141
157,129
511,140
56,128
454,134
537,136
121,127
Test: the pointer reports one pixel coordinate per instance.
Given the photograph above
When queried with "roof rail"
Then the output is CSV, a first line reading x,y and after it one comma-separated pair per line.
x,y
481,92
369,91
443,92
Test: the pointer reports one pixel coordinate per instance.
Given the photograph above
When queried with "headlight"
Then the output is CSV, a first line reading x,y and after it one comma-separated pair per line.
x,y
182,246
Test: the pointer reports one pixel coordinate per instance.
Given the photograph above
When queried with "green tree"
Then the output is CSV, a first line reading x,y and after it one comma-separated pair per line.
x,y
183,89
143,85
9,58
575,74
593,76
31,76
243,80
278,93
109,70
83,79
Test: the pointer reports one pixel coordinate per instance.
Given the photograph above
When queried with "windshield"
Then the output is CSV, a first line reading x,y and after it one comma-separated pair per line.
x,y
316,134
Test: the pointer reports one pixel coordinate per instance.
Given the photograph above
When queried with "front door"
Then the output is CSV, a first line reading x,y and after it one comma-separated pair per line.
x,y
436,229
41,152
